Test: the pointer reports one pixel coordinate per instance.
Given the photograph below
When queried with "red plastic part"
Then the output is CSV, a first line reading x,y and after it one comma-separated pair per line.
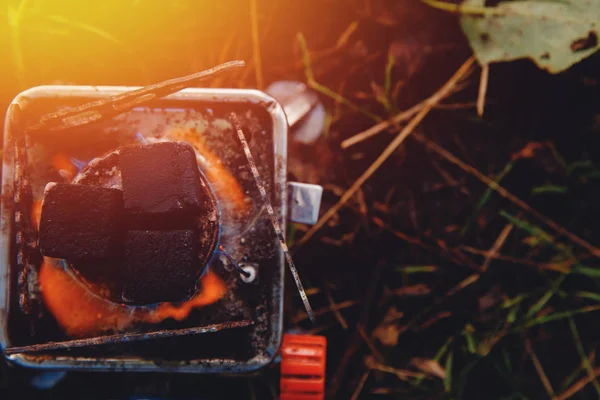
x,y
303,367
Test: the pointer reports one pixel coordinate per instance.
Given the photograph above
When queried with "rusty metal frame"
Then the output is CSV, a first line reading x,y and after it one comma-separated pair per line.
x,y
22,357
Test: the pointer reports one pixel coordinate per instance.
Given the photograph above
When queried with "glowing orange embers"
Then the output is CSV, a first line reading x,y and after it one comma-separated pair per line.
x,y
82,314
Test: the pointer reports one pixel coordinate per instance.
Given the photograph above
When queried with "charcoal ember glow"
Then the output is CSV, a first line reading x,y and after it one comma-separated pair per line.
x,y
160,266
80,222
162,186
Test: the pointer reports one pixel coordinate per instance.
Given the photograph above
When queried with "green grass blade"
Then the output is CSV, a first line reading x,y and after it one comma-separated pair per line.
x,y
417,269
529,228
508,303
310,79
448,376
440,353
588,295
549,189
560,315
471,342
541,303
587,271
585,164
486,197
584,358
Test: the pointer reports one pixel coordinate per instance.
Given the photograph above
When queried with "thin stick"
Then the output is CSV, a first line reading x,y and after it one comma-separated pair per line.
x,y
338,306
256,45
108,107
383,125
274,222
360,385
391,148
503,257
506,194
335,310
483,84
577,386
127,337
584,358
540,370
497,246
398,118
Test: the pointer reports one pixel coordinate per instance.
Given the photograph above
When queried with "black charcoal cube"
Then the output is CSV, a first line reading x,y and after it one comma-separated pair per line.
x,y
80,223
162,186
160,266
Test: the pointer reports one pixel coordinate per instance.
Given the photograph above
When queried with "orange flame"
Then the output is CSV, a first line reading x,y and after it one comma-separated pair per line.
x,y
82,314
216,172
64,166
76,310
36,213
213,289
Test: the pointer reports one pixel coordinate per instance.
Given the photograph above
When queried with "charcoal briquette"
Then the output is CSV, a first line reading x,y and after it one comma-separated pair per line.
x,y
162,186
80,222
160,266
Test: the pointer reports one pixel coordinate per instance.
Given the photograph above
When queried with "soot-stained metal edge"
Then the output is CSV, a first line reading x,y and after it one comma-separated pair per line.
x,y
223,96
125,337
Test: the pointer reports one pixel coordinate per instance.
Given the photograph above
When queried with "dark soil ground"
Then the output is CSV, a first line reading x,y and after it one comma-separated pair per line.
x,y
428,284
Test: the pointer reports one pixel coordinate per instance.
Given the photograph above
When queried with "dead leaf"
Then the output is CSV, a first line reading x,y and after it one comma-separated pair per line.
x,y
529,150
388,331
434,319
451,228
412,290
491,298
554,34
429,366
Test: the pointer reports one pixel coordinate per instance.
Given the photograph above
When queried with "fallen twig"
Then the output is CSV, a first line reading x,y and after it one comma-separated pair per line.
x,y
577,386
383,125
389,150
483,84
540,370
108,107
497,246
398,118
360,385
332,308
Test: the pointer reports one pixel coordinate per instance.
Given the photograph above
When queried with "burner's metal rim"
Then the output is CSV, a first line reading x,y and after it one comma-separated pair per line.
x,y
224,96
125,337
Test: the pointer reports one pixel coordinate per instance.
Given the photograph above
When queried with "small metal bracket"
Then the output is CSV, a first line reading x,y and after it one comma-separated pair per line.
x,y
304,202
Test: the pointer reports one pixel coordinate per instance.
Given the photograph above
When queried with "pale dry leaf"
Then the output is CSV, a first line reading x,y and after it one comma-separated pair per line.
x,y
419,289
429,366
388,331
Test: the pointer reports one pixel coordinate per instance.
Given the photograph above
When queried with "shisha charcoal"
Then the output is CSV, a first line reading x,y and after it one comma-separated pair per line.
x,y
160,266
80,223
162,186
